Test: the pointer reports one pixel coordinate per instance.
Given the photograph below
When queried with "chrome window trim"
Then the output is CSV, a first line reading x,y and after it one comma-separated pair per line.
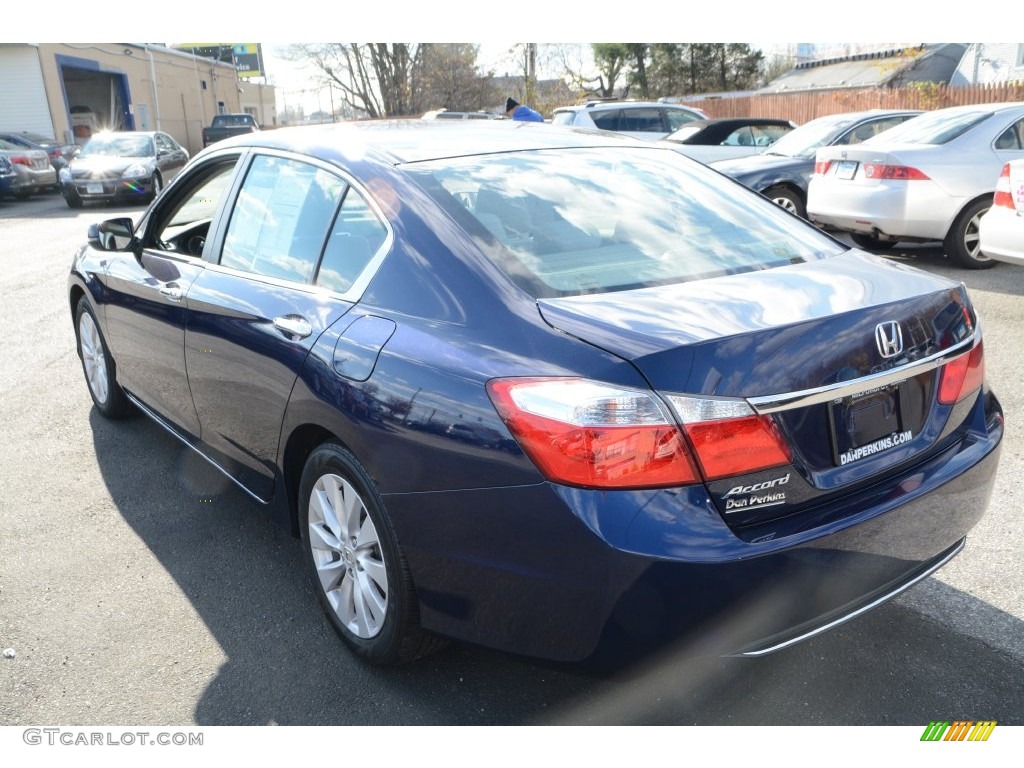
x,y
355,291
783,402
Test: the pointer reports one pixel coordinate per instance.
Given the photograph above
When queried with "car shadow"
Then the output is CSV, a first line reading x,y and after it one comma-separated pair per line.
x,y
283,665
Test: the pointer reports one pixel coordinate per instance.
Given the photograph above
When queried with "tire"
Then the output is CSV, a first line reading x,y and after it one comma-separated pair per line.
x,y
158,185
786,198
870,242
73,199
98,365
963,242
358,571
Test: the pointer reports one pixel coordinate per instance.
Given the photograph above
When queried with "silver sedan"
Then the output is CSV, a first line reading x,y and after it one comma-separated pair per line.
x,y
931,178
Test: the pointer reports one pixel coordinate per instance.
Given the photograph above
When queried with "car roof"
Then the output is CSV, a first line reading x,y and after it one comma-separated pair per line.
x,y
410,141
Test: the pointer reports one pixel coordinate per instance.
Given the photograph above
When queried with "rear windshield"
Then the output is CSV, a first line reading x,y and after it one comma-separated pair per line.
x,y
933,127
574,221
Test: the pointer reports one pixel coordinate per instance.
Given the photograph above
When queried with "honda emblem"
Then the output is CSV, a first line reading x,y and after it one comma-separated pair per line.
x,y
889,339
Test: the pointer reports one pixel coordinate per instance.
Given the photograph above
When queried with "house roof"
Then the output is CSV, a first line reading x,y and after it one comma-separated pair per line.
x,y
927,63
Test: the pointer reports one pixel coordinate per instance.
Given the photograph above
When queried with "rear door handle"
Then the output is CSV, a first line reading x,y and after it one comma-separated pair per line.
x,y
294,326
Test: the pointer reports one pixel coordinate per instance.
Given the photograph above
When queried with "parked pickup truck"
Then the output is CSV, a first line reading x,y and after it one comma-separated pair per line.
x,y
225,126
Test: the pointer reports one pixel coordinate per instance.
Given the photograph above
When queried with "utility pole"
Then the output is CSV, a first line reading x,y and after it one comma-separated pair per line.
x,y
531,74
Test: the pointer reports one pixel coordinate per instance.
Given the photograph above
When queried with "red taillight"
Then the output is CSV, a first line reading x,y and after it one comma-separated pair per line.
x,y
962,376
737,446
595,435
1003,197
821,167
21,160
588,434
893,172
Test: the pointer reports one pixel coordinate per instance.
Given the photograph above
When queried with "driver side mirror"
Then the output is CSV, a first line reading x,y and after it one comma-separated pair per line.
x,y
113,235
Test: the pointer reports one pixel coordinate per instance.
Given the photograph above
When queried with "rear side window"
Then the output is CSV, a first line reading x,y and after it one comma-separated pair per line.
x,y
677,118
281,219
568,222
355,238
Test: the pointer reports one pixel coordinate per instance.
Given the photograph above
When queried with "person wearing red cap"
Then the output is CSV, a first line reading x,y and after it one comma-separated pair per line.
x,y
518,111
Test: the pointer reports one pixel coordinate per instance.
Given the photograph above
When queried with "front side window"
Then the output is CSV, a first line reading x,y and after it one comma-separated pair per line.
x,y
281,219
568,222
183,220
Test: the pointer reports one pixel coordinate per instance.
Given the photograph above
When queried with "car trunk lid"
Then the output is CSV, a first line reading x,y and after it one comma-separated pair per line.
x,y
841,354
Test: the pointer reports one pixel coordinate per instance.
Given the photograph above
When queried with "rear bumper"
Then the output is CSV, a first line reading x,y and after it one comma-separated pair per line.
x,y
558,573
910,210
1002,235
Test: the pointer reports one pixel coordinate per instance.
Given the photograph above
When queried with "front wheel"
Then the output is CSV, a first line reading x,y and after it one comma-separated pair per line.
x,y
788,199
100,373
157,185
358,571
72,198
963,242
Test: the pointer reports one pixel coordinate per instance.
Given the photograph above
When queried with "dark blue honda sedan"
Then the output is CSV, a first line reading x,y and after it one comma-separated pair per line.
x,y
545,390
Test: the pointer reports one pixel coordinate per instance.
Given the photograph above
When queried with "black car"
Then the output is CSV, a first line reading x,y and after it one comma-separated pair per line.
x,y
127,166
728,137
784,170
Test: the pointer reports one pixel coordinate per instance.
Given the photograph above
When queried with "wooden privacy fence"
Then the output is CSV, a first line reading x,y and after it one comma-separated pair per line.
x,y
807,105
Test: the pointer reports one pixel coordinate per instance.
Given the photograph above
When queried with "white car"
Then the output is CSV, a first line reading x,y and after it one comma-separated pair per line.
x,y
1001,230
650,120
930,178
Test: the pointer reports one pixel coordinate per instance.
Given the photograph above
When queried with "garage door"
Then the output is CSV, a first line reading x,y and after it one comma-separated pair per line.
x,y
22,92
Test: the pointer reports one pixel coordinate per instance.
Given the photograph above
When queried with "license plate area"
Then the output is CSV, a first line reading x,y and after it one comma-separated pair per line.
x,y
94,188
866,424
846,169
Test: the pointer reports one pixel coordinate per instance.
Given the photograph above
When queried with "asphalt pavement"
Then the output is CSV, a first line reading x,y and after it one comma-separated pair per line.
x,y
138,587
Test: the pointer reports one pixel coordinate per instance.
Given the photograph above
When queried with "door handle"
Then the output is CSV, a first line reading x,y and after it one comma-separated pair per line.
x,y
294,326
172,291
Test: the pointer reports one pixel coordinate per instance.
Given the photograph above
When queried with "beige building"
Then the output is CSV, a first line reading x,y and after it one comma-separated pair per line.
x,y
69,90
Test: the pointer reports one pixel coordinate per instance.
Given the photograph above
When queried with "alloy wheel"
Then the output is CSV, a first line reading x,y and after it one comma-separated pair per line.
x,y
93,359
347,556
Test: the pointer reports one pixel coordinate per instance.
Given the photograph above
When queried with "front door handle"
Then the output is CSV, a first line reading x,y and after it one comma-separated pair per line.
x,y
294,326
172,291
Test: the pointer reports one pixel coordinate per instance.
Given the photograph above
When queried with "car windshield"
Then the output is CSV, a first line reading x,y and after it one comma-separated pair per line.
x,y
684,133
809,137
932,127
118,146
562,118
569,222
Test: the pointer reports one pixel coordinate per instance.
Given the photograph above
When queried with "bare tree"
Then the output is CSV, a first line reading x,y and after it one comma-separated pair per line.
x,y
373,78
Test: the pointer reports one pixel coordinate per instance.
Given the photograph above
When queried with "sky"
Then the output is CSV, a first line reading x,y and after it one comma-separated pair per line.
x,y
492,26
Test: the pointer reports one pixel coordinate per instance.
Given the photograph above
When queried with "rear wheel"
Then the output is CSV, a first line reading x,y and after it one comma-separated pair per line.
x,y
963,242
358,571
788,199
